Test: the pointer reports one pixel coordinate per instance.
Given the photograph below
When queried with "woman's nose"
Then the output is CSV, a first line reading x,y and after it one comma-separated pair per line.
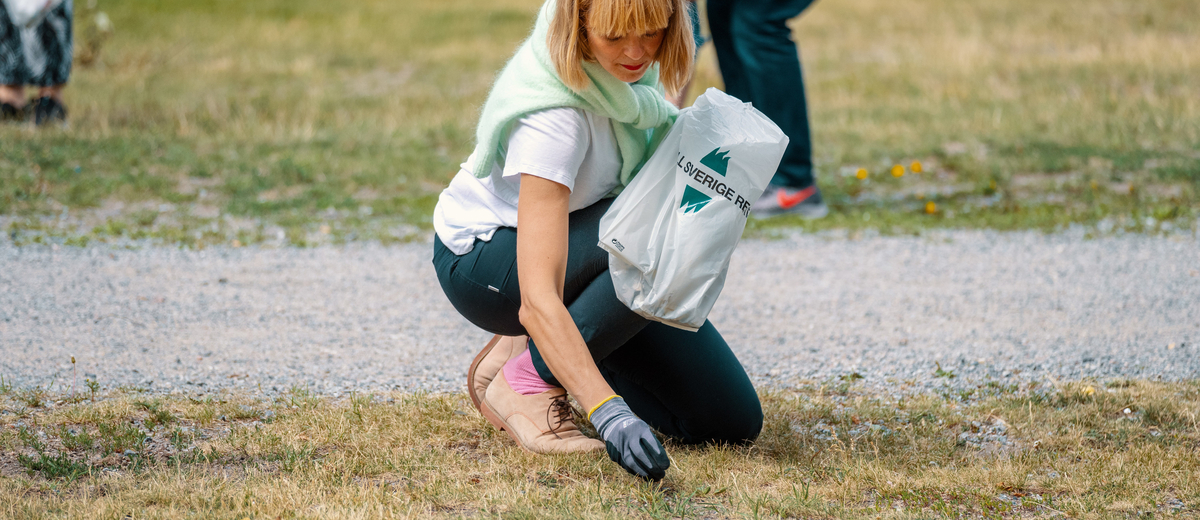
x,y
635,50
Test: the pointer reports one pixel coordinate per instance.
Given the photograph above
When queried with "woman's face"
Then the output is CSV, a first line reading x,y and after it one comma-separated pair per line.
x,y
627,57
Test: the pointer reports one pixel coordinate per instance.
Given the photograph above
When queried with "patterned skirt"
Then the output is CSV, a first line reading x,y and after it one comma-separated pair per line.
x,y
38,55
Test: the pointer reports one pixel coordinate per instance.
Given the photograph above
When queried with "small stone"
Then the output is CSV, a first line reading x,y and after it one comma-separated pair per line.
x,y
1174,504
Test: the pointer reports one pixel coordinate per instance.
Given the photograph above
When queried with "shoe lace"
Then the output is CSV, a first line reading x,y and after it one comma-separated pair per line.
x,y
561,411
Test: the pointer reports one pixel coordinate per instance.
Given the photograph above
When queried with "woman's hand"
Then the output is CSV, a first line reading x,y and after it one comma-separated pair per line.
x,y
542,227
629,440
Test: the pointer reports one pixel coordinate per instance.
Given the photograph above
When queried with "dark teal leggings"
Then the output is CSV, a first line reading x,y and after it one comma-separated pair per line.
x,y
687,385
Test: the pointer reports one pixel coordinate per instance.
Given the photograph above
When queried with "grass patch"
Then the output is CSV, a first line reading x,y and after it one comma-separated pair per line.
x,y
302,122
1079,449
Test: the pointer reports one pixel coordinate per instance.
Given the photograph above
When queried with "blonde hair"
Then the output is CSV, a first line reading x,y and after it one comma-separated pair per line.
x,y
568,43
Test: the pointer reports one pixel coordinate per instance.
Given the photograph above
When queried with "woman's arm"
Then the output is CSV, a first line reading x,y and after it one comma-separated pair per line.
x,y
542,227
541,269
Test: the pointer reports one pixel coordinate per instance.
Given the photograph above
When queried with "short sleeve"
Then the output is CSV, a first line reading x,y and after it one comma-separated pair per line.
x,y
550,144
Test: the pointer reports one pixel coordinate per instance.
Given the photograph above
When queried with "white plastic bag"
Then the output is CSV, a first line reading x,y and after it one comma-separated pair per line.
x,y
28,13
671,232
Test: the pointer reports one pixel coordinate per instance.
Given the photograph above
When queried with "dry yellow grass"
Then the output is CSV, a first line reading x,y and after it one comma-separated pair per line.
x,y
827,451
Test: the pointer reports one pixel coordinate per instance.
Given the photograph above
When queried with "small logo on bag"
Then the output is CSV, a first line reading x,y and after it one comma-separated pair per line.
x,y
618,244
693,199
717,160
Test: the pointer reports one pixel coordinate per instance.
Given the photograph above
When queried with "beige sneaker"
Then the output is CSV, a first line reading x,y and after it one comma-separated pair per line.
x,y
489,361
540,423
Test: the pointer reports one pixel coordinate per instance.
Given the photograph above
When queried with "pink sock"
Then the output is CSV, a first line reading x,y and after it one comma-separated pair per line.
x,y
522,377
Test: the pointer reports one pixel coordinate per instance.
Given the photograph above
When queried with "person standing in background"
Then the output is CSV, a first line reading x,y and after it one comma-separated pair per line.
x,y
760,64
38,55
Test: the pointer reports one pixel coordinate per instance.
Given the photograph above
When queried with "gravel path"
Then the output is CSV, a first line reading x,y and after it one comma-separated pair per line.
x,y
1007,307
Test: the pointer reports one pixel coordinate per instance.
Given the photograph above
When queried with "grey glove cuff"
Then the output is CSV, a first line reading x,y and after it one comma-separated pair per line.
x,y
629,440
606,417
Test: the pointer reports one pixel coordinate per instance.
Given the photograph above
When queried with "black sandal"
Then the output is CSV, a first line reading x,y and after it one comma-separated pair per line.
x,y
48,110
10,112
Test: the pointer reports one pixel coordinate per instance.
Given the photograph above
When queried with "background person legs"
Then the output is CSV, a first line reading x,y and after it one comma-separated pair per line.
x,y
13,72
760,64
37,56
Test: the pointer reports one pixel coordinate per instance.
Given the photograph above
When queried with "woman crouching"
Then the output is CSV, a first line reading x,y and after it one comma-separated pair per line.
x,y
571,118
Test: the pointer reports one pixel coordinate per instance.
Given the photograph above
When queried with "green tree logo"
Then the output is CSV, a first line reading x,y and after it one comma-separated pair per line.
x,y
717,160
693,200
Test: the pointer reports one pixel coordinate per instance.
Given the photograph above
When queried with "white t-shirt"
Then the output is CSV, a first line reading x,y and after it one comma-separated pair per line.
x,y
570,146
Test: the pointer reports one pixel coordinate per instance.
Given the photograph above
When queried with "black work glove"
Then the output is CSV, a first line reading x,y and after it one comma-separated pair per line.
x,y
629,440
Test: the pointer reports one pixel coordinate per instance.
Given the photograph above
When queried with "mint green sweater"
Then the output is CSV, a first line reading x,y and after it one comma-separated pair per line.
x,y
640,114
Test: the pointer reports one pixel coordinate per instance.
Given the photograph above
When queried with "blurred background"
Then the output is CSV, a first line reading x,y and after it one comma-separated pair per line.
x,y
303,122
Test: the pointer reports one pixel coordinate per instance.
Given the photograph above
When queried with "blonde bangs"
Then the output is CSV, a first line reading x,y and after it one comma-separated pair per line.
x,y
616,18
568,46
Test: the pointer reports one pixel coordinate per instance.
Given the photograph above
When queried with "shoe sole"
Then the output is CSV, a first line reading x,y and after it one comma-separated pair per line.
x,y
809,215
475,399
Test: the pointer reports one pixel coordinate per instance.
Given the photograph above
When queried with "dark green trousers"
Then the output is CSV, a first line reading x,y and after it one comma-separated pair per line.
x,y
687,385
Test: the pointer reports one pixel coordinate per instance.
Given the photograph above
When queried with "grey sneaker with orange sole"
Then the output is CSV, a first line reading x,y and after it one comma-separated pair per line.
x,y
807,203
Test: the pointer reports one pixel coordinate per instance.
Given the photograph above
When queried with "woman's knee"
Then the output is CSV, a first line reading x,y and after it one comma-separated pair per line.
x,y
743,424
737,424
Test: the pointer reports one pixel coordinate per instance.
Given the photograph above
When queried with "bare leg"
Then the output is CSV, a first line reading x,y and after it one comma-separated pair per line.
x,y
13,95
54,92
